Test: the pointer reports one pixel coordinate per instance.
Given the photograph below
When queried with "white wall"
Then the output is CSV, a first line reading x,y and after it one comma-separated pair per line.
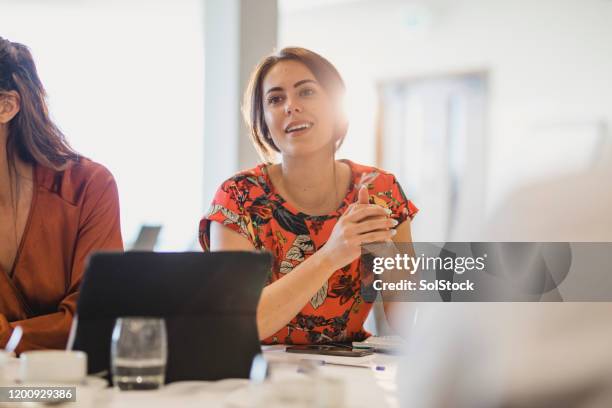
x,y
549,65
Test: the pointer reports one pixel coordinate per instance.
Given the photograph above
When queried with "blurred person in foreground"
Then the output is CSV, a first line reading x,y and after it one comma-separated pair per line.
x,y
56,207
522,354
311,211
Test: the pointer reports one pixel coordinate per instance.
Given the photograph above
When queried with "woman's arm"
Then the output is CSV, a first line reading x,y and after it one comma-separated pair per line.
x,y
282,300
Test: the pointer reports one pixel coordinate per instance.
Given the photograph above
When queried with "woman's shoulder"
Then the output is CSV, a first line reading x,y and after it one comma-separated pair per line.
x,y
384,189
86,171
77,179
370,176
253,180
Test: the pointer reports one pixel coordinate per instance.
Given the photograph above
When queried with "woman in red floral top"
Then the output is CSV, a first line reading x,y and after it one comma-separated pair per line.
x,y
311,211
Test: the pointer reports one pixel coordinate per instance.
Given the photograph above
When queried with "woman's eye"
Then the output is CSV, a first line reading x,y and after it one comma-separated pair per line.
x,y
307,92
273,100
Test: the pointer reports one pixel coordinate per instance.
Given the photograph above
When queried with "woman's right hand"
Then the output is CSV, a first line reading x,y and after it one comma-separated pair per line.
x,y
362,223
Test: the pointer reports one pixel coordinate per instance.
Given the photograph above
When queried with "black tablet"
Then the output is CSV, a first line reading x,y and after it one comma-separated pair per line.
x,y
208,301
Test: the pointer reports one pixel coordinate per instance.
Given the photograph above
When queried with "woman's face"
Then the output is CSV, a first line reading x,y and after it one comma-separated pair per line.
x,y
298,112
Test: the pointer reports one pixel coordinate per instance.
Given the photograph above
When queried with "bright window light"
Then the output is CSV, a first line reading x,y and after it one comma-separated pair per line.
x,y
126,85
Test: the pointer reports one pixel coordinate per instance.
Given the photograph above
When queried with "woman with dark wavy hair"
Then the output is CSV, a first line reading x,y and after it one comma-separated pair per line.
x,y
56,207
311,211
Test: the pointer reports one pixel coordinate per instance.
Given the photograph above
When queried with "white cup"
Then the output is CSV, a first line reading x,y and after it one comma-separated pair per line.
x,y
53,366
5,357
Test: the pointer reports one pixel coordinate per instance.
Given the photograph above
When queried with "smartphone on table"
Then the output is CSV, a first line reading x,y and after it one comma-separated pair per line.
x,y
329,350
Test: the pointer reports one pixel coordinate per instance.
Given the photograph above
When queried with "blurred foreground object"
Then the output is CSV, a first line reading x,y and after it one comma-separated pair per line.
x,y
521,354
571,208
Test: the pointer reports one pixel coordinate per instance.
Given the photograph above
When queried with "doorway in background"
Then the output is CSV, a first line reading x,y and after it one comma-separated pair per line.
x,y
433,138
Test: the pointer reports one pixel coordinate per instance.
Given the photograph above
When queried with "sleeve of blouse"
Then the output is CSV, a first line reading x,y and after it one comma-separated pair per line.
x,y
227,208
99,229
401,207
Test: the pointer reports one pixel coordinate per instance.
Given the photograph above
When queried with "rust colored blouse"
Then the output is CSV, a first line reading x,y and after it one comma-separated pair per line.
x,y
248,204
73,213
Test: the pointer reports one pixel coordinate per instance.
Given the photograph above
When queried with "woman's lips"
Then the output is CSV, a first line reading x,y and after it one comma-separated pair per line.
x,y
300,132
297,127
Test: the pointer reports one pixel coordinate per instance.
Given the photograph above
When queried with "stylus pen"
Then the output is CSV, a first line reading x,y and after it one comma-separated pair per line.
x,y
377,368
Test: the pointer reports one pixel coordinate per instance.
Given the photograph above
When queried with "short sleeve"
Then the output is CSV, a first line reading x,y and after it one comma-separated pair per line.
x,y
227,209
401,207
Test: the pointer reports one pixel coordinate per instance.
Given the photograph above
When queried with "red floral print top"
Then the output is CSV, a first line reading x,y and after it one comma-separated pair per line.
x,y
248,204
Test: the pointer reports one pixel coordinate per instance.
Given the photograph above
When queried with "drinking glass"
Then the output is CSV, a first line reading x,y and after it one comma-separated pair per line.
x,y
139,353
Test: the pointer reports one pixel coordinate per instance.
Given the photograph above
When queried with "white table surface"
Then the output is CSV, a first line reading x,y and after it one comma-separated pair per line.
x,y
360,387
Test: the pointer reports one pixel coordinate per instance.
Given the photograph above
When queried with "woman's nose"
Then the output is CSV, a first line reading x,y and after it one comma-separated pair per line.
x,y
292,107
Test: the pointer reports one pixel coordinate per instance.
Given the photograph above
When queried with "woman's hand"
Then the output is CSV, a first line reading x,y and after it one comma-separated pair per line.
x,y
362,223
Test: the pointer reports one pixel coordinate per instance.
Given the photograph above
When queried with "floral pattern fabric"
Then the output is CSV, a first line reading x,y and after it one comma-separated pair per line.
x,y
248,204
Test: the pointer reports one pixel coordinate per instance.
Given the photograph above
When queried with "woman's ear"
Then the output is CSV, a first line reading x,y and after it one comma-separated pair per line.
x,y
10,103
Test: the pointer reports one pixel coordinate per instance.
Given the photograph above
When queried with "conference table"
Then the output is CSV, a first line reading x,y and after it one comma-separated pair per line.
x,y
338,382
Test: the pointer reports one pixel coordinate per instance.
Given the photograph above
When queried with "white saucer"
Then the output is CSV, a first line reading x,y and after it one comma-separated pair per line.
x,y
91,382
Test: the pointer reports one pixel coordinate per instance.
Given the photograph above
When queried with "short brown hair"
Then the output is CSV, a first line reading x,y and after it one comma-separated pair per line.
x,y
325,73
